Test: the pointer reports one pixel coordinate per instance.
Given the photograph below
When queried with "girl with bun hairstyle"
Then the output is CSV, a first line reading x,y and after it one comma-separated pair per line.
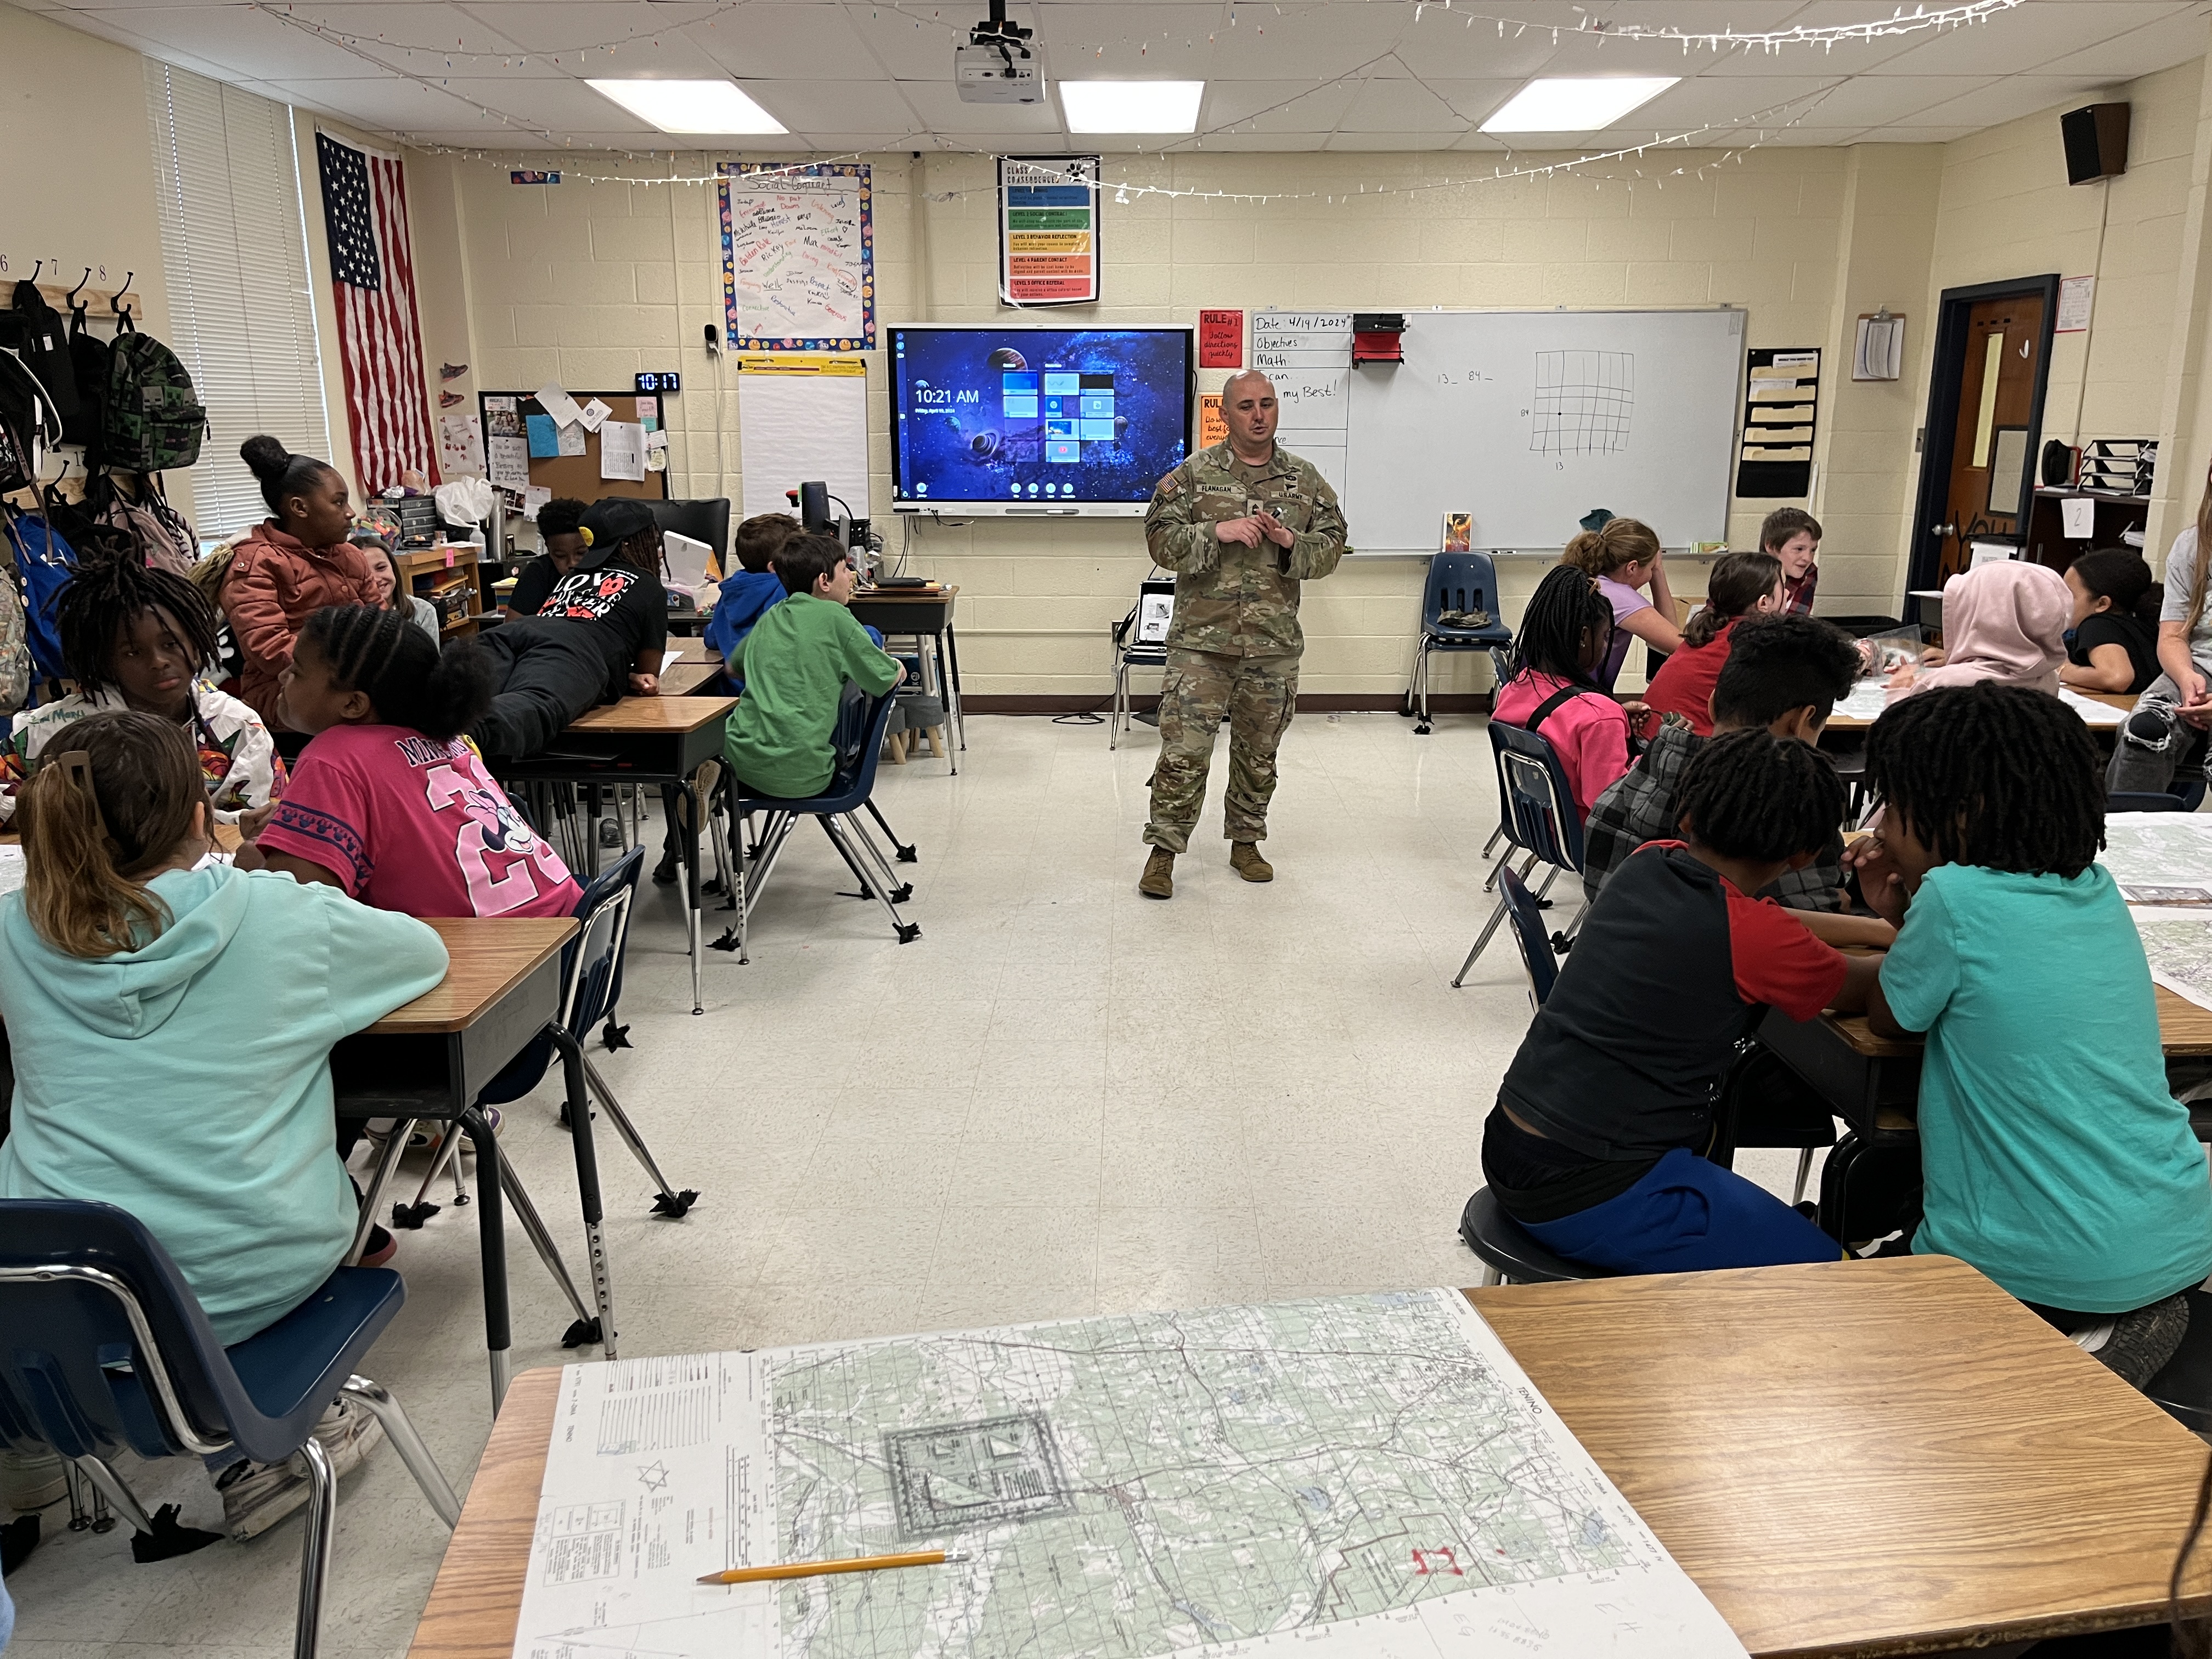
x,y
291,565
390,802
1624,558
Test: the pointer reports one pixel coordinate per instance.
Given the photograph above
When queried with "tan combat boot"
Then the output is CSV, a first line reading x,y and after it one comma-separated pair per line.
x,y
1244,857
1159,880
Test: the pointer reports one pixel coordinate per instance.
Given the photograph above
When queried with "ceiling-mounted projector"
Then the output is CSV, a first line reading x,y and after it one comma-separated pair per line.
x,y
997,66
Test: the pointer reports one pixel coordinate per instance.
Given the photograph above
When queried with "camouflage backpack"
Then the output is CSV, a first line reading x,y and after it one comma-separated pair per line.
x,y
150,417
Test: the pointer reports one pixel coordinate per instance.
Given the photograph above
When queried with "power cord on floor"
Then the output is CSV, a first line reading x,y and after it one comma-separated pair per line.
x,y
1082,716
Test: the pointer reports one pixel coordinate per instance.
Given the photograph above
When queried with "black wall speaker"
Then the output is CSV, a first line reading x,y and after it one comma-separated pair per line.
x,y
2096,138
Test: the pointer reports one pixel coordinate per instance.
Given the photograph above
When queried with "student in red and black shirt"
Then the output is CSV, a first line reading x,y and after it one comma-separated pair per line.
x,y
1595,1145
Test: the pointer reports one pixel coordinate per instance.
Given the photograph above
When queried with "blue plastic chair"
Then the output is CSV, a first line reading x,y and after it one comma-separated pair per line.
x,y
2127,801
591,971
1456,581
858,741
1528,920
1537,816
107,1349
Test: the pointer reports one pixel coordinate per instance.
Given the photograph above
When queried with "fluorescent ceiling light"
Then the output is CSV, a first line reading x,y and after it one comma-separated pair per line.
x,y
1576,103
689,106
1131,105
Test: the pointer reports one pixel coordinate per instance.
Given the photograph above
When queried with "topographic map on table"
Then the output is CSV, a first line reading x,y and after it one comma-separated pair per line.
x,y
2158,849
2180,953
1369,1475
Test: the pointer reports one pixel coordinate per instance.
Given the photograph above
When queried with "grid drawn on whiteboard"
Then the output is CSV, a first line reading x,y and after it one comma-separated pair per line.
x,y
1584,401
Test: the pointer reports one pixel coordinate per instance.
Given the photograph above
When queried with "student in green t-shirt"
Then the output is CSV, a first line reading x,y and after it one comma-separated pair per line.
x,y
794,664
2053,1158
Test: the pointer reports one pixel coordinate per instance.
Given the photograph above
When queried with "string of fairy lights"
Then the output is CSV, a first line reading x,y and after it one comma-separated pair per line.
x,y
1747,132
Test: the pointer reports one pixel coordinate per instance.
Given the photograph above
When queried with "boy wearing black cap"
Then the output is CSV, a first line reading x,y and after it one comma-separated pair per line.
x,y
598,635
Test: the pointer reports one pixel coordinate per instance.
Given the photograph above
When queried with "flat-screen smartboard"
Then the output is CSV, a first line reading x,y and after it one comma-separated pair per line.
x,y
1528,419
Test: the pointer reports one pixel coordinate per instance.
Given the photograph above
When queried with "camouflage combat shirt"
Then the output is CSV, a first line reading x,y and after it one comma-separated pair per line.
x,y
1233,600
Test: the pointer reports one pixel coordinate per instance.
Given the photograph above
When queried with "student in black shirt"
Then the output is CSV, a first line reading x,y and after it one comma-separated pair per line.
x,y
2110,647
561,528
598,635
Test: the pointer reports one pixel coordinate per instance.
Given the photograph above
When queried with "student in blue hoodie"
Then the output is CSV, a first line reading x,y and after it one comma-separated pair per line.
x,y
750,591
136,968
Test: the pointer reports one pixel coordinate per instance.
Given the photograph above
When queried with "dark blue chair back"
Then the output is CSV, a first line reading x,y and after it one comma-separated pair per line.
x,y
86,1289
2127,801
1528,920
1538,806
1462,581
591,975
858,740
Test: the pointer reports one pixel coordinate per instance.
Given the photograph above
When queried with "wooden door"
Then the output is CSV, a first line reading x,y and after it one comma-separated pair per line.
x,y
1995,414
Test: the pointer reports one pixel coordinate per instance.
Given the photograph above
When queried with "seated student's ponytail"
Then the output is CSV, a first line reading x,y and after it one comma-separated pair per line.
x,y
1738,581
112,797
401,669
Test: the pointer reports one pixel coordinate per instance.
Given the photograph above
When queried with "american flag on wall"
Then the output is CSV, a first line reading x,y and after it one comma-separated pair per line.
x,y
379,342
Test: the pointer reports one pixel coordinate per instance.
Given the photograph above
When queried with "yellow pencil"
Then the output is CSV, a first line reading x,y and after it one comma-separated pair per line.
x,y
809,1569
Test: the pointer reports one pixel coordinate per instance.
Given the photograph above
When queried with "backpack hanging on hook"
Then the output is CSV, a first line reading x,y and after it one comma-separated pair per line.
x,y
45,349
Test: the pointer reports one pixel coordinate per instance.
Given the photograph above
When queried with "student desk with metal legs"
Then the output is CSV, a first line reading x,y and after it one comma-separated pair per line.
x,y
1861,1458
640,740
924,614
432,1058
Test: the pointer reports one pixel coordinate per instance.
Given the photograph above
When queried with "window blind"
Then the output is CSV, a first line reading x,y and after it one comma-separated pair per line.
x,y
241,314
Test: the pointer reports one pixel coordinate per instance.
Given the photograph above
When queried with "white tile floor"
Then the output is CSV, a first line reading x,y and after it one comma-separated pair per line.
x,y
1063,1098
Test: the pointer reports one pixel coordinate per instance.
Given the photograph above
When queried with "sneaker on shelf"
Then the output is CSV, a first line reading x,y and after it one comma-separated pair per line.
x,y
257,1496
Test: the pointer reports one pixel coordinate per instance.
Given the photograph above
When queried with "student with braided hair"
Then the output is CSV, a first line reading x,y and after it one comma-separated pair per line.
x,y
137,638
2053,1158
1566,631
391,802
1596,1144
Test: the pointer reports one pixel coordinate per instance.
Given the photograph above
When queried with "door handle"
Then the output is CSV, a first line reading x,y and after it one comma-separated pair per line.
x,y
1942,530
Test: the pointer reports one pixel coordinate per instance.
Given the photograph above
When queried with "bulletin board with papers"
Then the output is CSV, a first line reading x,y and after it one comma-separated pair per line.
x,y
519,430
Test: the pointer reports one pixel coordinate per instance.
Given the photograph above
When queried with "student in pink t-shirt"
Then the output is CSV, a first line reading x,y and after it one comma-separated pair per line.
x,y
390,802
1565,632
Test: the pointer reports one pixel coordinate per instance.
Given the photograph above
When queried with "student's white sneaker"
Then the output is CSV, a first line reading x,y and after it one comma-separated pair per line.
x,y
257,1496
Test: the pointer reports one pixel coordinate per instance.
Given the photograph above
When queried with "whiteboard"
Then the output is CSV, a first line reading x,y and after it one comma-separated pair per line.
x,y
796,426
1528,419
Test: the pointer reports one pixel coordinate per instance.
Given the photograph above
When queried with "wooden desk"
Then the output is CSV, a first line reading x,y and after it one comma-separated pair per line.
x,y
696,650
923,614
1864,1458
685,679
661,740
432,1058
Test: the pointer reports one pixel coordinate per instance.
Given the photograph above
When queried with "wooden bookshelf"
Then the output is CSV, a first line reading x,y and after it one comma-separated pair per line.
x,y
2046,542
451,579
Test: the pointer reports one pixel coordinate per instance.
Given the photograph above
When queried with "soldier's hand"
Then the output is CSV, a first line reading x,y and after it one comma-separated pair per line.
x,y
1276,530
1245,532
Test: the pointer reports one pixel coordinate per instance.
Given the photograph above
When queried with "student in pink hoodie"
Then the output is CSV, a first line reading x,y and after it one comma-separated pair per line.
x,y
288,567
1564,635
2005,622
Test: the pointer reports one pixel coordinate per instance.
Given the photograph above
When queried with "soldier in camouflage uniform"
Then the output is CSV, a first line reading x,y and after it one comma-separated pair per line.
x,y
1241,524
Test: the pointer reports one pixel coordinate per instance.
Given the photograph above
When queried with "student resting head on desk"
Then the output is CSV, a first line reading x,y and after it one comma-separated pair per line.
x,y
1743,585
288,567
1785,674
1566,631
1624,556
2053,1155
2111,645
172,1018
795,664
598,637
560,531
390,802
139,638
1596,1145
2005,622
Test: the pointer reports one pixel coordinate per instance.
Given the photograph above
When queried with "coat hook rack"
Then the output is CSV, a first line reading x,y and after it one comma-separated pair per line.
x,y
79,288
36,269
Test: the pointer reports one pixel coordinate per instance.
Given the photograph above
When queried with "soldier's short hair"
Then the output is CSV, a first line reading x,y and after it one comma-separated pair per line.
x,y
1245,374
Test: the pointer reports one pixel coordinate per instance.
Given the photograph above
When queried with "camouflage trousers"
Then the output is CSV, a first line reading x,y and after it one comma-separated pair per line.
x,y
1259,695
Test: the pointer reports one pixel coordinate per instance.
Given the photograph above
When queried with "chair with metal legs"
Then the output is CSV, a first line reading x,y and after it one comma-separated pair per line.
x,y
1539,818
859,741
592,978
1462,586
109,1350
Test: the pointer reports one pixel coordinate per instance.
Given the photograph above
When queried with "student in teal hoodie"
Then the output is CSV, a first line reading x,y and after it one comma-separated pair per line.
x,y
172,1018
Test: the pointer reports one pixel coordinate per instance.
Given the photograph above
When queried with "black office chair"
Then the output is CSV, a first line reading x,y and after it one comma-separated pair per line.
x,y
1870,1185
2124,800
2183,1389
1510,1255
702,521
1765,1104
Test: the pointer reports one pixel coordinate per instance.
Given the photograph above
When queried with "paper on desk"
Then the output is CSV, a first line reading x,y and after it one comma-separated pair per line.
x,y
2096,713
11,868
621,450
2158,849
592,414
1866,701
1292,1458
2180,953
668,659
558,404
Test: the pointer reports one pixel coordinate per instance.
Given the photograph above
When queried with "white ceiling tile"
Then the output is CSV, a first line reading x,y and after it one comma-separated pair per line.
x,y
2146,51
1390,141
835,106
1871,100
2006,100
385,104
938,107
251,44
1278,107
1400,106
2026,37
1717,98
789,42
1914,133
